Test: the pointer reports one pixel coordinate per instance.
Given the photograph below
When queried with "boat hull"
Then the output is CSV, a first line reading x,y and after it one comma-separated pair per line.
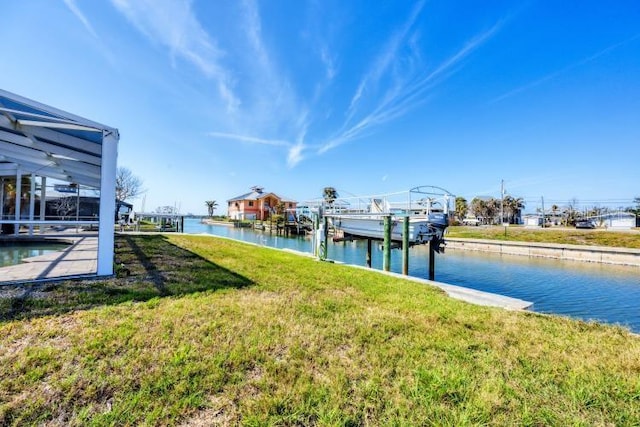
x,y
421,230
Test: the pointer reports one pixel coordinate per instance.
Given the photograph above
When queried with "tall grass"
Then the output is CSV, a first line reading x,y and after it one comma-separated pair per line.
x,y
253,336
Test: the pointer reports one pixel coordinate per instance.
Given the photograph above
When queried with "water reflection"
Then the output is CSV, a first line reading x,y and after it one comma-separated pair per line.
x,y
14,254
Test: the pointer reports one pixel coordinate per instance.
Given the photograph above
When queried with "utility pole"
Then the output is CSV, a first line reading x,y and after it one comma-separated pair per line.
x,y
543,216
501,201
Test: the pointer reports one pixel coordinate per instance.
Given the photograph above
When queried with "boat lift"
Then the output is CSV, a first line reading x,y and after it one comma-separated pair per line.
x,y
399,220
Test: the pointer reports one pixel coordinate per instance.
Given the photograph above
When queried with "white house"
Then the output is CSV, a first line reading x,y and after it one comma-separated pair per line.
x,y
616,220
532,221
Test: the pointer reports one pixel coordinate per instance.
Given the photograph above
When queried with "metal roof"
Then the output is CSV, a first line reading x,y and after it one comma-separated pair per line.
x,y
36,138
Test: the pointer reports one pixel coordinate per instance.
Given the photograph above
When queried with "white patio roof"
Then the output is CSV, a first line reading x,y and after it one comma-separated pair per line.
x,y
37,139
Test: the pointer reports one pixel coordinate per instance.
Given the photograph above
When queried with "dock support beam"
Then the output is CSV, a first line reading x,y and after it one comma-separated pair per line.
x,y
368,259
386,249
405,246
432,259
325,222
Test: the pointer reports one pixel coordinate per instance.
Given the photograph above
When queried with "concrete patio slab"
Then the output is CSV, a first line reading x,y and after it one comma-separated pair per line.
x,y
79,259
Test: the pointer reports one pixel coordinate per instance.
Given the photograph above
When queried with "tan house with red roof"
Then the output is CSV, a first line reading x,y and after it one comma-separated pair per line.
x,y
257,205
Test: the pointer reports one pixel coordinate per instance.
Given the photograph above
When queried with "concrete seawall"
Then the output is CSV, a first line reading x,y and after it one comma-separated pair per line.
x,y
599,254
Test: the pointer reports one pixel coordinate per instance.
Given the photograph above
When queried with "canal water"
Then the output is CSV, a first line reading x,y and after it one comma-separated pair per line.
x,y
588,291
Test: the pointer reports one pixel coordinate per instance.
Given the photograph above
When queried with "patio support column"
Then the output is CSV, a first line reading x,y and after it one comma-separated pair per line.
x,y
107,203
43,201
18,200
77,206
2,198
32,202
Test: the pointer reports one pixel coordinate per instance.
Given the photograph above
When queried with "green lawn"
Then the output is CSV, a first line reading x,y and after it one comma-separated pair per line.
x,y
204,331
562,236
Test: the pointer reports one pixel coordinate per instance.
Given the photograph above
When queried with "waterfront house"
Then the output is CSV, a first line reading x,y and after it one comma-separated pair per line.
x,y
257,204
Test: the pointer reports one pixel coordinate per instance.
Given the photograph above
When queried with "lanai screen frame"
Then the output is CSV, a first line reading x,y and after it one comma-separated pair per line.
x,y
37,139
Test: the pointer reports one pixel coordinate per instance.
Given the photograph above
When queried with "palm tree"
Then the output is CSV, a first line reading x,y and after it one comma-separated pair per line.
x,y
211,206
492,209
330,195
513,207
487,209
476,207
280,213
461,208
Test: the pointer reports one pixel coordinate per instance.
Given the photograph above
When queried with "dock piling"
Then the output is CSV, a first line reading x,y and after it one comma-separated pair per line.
x,y
405,246
432,259
386,250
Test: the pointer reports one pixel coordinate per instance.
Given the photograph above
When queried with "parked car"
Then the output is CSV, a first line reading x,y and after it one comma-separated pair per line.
x,y
585,224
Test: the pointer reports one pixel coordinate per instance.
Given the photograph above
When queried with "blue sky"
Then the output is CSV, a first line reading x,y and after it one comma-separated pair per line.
x,y
213,97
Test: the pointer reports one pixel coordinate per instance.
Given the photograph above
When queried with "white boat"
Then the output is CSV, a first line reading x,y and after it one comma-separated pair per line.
x,y
422,229
425,206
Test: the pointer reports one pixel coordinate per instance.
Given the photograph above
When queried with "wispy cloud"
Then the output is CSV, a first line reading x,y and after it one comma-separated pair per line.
x,y
329,63
295,154
294,150
405,94
557,73
253,28
274,113
98,42
173,24
249,139
385,59
73,7
271,105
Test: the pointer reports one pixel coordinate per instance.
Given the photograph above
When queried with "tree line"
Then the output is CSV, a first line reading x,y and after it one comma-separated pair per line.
x,y
487,210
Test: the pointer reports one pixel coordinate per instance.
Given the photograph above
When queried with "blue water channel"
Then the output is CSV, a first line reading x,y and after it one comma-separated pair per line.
x,y
588,291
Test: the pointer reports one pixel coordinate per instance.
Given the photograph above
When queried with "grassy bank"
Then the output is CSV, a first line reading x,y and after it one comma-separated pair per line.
x,y
561,236
205,331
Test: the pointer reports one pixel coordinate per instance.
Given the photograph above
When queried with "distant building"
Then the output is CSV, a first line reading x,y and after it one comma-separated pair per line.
x,y
615,220
470,220
257,205
532,221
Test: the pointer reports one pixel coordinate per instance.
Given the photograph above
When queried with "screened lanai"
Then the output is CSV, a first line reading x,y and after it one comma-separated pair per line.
x,y
57,172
